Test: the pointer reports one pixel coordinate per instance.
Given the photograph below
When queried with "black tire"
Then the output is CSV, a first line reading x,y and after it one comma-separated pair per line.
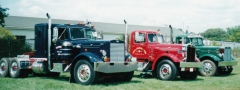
x,y
88,75
4,67
224,72
189,75
126,76
209,68
166,70
14,69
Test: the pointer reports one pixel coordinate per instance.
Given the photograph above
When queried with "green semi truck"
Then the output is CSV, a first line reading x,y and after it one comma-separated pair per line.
x,y
216,59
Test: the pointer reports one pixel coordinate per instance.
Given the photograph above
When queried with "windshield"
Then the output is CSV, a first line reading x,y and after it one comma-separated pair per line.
x,y
197,41
78,33
155,38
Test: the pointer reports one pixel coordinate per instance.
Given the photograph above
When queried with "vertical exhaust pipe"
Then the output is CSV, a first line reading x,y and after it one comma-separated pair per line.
x,y
171,32
49,41
126,35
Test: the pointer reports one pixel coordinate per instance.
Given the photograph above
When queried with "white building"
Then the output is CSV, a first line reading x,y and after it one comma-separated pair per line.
x,y
23,27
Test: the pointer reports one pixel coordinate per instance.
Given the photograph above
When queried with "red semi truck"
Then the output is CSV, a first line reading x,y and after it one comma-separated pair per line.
x,y
166,61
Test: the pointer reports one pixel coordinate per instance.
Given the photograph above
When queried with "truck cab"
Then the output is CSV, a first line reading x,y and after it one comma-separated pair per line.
x,y
216,59
166,61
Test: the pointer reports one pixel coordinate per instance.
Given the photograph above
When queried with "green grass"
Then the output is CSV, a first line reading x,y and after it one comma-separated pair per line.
x,y
222,82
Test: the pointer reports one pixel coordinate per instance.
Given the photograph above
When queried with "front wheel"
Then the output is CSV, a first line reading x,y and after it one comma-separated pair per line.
x,y
84,73
209,68
166,70
4,68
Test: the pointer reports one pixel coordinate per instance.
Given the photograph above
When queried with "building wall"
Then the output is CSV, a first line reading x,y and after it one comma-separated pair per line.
x,y
28,33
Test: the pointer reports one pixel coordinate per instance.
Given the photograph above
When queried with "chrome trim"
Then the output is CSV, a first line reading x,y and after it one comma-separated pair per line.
x,y
191,64
110,67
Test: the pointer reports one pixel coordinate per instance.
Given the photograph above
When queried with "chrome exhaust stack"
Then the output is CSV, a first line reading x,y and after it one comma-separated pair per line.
x,y
49,41
126,36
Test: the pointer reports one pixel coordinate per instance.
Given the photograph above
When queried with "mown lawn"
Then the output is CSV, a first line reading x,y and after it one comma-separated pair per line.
x,y
222,82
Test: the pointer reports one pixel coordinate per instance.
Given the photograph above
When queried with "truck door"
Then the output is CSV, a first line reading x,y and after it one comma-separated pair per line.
x,y
139,46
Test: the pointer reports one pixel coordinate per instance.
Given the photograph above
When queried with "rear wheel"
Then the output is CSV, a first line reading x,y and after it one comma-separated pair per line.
x,y
209,68
4,68
166,70
84,73
15,70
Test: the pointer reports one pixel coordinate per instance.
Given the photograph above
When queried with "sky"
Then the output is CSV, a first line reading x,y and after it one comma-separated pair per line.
x,y
192,15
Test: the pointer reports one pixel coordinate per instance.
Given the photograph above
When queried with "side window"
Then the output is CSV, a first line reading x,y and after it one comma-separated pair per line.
x,y
140,38
62,34
179,41
150,37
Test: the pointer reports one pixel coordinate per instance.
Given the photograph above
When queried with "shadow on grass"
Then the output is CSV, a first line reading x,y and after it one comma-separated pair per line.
x,y
114,82
65,78
176,79
226,75
197,79
42,76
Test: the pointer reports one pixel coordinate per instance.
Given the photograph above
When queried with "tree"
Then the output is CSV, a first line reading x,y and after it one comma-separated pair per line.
x,y
216,34
121,37
2,15
234,33
5,34
10,46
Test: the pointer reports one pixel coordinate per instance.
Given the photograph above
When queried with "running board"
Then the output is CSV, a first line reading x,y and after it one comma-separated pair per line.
x,y
145,67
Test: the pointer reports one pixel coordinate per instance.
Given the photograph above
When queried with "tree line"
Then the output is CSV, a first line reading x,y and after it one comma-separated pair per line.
x,y
231,34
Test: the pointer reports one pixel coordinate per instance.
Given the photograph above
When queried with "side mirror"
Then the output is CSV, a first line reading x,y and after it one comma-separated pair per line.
x,y
55,35
94,34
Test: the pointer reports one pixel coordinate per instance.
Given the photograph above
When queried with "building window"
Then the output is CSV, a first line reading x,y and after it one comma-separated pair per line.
x,y
19,37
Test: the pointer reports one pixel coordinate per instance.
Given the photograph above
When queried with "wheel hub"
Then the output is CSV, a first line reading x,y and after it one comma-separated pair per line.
x,y
84,73
207,68
14,68
165,70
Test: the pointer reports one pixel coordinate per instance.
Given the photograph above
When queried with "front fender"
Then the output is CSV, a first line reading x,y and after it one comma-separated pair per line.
x,y
171,56
215,58
90,56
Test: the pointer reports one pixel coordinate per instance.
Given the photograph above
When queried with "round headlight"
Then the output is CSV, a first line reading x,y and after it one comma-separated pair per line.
x,y
66,43
104,53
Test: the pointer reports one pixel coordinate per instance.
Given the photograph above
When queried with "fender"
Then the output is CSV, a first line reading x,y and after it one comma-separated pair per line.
x,y
171,56
91,57
215,58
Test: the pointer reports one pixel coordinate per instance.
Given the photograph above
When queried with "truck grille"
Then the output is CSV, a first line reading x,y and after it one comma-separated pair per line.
x,y
227,54
117,52
191,50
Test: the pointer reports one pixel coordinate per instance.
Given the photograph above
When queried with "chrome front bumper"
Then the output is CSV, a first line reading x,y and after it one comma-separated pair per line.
x,y
115,67
227,63
191,64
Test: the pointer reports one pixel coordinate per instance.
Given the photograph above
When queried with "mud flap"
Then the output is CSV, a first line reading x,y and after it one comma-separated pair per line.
x,y
71,78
